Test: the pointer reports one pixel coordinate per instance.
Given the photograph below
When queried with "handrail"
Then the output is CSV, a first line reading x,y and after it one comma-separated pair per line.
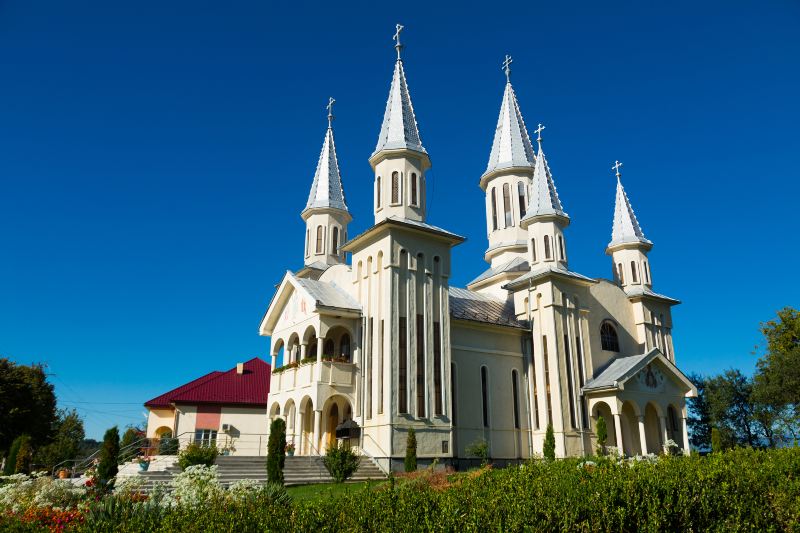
x,y
363,434
305,436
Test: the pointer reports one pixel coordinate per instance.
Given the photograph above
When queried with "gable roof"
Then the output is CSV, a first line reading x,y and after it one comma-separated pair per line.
x,y
621,369
548,270
327,294
515,264
476,307
249,388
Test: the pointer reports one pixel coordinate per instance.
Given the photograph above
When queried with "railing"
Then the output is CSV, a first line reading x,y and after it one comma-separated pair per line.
x,y
365,452
322,472
330,372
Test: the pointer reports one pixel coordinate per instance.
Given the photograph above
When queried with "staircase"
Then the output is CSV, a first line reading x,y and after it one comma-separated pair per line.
x,y
305,469
151,477
232,468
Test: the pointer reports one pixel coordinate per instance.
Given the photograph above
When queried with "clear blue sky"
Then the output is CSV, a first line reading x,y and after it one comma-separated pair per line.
x,y
155,157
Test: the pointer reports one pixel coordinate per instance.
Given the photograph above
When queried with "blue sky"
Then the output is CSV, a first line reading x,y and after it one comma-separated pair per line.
x,y
149,150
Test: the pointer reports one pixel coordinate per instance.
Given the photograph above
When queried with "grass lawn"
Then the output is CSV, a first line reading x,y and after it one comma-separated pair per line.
x,y
327,490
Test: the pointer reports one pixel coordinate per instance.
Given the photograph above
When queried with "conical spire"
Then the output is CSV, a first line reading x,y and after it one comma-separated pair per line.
x,y
512,145
626,228
399,129
327,190
544,196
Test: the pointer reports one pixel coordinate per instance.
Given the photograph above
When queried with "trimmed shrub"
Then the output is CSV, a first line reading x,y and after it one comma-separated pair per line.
x,y
411,451
341,462
549,449
479,449
109,455
195,454
276,451
602,435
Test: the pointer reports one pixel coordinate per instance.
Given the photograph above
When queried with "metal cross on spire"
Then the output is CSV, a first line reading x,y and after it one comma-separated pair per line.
x,y
507,67
397,45
331,101
538,131
617,165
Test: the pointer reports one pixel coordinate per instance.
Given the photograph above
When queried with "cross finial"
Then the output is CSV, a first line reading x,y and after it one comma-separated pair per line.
x,y
397,45
507,67
616,167
331,101
538,131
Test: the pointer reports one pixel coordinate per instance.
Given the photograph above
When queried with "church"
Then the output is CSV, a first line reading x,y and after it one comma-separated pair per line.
x,y
375,341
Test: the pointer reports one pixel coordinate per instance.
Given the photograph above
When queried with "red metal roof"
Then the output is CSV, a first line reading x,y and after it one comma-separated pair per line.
x,y
249,388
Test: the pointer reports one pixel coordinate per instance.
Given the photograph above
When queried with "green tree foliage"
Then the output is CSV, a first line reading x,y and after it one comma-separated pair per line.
x,y
411,451
479,449
11,459
602,435
66,442
341,462
732,411
549,449
699,420
109,455
716,441
127,446
27,404
276,451
167,445
195,454
24,456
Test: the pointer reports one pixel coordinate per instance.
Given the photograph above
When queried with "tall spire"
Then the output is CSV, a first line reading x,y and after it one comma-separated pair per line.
x,y
544,196
327,190
399,129
512,145
626,228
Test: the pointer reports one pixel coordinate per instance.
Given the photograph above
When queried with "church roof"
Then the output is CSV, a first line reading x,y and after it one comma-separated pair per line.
x,y
476,307
399,129
544,196
328,294
517,264
547,270
634,291
512,146
626,227
621,369
326,189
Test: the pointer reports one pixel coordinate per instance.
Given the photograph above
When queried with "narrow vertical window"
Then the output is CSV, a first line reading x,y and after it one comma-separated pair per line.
x,y
547,379
485,395
533,249
507,205
535,389
561,248
319,240
370,369
437,368
453,396
547,247
335,241
494,208
521,195
413,189
620,273
308,239
515,397
647,273
402,373
570,391
378,193
420,366
634,275
380,368
395,187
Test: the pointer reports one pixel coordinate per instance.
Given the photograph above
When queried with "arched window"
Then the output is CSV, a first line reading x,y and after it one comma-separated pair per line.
x,y
327,348
561,248
494,208
547,247
344,346
308,238
634,276
608,337
620,273
395,187
507,205
647,273
413,189
521,194
515,397
485,395
378,193
335,241
533,249
319,240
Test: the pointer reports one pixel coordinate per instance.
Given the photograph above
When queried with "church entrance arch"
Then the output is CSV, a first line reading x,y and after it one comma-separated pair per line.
x,y
603,409
337,409
652,429
630,430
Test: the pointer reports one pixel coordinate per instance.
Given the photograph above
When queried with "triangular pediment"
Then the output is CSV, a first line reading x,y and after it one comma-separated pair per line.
x,y
290,303
650,372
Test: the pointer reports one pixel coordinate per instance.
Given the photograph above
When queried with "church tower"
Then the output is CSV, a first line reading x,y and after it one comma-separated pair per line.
x,y
399,160
506,181
545,218
628,246
326,215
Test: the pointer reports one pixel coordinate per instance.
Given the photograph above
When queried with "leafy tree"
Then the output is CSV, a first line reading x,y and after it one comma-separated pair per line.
x,y
276,451
167,445
109,454
411,451
549,449
195,454
716,441
602,435
699,420
27,404
11,458
341,462
66,443
732,411
22,463
127,449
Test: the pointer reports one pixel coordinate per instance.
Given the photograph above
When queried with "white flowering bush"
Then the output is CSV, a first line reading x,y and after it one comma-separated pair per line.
x,y
243,488
129,486
195,486
20,492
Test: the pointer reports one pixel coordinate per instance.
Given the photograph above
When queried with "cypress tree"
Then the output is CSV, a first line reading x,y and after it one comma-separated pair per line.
x,y
276,451
716,441
24,453
602,435
11,458
411,451
109,455
549,444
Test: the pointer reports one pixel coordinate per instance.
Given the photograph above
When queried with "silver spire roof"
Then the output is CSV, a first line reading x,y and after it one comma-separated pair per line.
x,y
512,145
626,228
544,196
399,129
326,190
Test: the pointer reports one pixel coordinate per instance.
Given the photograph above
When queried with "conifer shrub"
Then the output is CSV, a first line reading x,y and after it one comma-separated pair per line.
x,y
22,462
549,449
602,435
11,459
109,455
341,462
410,462
276,451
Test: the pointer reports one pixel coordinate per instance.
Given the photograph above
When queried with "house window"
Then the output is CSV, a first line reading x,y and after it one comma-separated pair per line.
x,y
507,205
494,208
378,193
395,187
335,243
561,248
413,189
344,346
521,194
515,397
608,337
205,437
485,395
634,276
547,247
319,240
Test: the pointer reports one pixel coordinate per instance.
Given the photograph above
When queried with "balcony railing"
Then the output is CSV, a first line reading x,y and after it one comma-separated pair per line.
x,y
329,372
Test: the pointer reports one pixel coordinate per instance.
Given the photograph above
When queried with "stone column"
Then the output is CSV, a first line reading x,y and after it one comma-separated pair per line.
x,y
685,429
318,370
303,350
317,422
618,432
642,436
665,435
274,360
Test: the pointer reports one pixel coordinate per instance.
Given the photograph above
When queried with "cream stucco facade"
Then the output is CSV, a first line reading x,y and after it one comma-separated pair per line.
x,y
378,336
